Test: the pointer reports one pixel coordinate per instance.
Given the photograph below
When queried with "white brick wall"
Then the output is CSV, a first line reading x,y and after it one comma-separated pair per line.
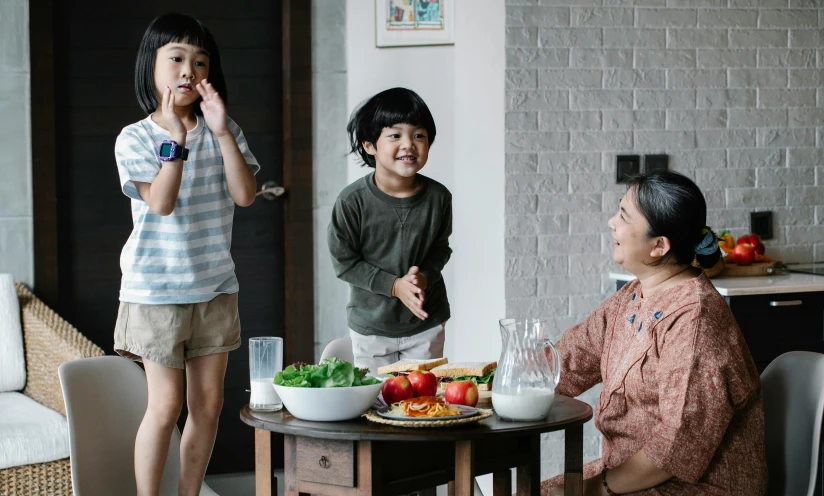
x,y
730,89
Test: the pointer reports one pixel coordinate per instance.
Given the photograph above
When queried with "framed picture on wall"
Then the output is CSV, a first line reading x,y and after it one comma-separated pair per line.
x,y
414,22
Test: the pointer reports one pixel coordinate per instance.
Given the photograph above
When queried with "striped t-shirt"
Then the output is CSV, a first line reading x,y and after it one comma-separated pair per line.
x,y
182,257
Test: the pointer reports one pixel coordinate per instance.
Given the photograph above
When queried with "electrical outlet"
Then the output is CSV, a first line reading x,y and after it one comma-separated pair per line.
x,y
761,223
625,166
655,162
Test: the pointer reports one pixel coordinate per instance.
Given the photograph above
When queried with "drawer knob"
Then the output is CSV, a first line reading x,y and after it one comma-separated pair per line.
x,y
324,462
788,303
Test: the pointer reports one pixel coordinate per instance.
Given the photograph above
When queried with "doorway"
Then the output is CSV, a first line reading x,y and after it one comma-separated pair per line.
x,y
83,54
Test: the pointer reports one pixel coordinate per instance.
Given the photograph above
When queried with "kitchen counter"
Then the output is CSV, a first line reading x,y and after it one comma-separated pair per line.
x,y
755,285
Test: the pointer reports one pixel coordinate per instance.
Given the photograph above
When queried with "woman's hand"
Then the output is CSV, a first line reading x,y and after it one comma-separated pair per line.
x,y
592,487
214,111
169,120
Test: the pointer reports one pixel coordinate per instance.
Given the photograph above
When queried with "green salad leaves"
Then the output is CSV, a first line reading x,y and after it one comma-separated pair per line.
x,y
477,380
330,372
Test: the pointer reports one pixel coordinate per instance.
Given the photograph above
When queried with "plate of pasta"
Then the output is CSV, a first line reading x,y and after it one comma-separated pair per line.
x,y
426,408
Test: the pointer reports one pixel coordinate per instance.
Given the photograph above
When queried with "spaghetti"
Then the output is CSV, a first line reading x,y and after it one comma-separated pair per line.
x,y
424,406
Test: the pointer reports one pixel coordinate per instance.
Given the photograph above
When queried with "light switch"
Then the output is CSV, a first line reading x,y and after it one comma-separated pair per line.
x,y
625,166
655,162
761,223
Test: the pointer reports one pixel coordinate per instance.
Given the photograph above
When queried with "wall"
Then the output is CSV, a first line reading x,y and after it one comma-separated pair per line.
x,y
464,88
16,244
730,89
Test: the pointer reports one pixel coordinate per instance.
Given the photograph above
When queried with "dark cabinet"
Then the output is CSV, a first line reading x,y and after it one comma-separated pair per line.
x,y
774,324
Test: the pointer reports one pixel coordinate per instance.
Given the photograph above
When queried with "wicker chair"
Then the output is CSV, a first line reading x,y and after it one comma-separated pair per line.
x,y
48,341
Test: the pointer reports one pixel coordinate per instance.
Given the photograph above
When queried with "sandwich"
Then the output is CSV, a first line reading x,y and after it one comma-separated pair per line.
x,y
407,365
480,373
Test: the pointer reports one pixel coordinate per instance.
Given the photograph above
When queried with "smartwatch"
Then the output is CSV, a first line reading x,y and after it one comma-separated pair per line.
x,y
170,150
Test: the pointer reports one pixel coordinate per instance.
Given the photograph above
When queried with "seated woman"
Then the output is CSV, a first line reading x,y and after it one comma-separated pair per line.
x,y
681,408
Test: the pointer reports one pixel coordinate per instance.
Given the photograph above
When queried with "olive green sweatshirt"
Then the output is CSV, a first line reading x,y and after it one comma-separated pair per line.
x,y
375,238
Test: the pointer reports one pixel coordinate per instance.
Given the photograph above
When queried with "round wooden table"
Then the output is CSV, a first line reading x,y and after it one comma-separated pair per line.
x,y
359,457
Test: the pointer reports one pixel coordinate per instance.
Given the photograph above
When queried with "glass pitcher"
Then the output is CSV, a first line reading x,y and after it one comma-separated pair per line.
x,y
524,385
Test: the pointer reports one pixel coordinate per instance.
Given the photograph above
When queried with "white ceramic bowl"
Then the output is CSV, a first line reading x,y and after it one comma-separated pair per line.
x,y
328,404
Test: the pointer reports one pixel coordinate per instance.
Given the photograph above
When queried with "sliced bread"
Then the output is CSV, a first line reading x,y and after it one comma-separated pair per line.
x,y
478,369
409,364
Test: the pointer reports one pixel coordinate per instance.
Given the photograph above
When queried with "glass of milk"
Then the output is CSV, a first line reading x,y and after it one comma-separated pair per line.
x,y
265,360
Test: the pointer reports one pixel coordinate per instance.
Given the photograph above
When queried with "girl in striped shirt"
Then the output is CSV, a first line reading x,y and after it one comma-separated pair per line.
x,y
185,166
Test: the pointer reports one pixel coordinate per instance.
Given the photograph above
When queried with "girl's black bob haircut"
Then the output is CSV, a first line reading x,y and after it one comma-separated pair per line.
x,y
173,28
387,108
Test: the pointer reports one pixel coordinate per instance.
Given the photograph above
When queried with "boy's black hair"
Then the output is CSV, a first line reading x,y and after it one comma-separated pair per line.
x,y
170,28
387,108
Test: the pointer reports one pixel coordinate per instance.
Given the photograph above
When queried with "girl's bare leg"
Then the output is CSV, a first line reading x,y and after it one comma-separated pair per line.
x,y
151,446
204,396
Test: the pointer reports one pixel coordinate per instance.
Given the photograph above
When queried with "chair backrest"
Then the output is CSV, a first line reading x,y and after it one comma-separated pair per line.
x,y
106,399
793,386
339,348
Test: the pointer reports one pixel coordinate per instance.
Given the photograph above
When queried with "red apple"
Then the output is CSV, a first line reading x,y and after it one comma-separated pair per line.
x,y
396,389
754,240
461,393
423,382
743,254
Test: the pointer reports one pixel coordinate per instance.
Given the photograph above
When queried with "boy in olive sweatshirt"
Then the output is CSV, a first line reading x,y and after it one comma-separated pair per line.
x,y
389,234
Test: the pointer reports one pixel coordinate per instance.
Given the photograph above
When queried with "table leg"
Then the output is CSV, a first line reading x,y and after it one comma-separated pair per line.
x,y
529,476
502,483
263,462
574,461
367,469
450,488
290,466
464,468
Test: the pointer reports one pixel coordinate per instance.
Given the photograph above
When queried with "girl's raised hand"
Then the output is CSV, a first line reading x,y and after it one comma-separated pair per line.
x,y
214,111
168,118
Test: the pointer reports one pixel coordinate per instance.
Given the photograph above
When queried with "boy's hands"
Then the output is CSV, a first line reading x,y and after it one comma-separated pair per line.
x,y
410,295
213,108
415,277
170,120
410,290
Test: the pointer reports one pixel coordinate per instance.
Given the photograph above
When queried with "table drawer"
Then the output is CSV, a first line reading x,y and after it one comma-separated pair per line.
x,y
326,462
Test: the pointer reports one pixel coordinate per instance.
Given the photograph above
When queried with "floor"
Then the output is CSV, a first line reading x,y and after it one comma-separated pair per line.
x,y
243,484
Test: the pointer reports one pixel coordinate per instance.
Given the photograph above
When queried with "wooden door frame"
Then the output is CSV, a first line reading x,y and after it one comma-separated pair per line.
x,y
298,228
297,169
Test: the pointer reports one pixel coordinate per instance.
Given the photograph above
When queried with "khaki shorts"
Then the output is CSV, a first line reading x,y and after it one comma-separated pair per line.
x,y
376,351
171,334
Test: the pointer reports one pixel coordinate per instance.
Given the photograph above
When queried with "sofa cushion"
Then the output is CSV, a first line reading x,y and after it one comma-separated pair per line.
x,y
30,432
12,360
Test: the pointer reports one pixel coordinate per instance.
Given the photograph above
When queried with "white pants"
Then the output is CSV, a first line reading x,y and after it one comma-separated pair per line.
x,y
376,351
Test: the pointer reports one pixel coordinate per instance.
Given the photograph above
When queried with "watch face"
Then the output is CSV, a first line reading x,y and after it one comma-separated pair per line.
x,y
165,149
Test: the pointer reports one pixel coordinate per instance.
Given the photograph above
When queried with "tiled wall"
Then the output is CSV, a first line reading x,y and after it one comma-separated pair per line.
x,y
730,89
16,248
